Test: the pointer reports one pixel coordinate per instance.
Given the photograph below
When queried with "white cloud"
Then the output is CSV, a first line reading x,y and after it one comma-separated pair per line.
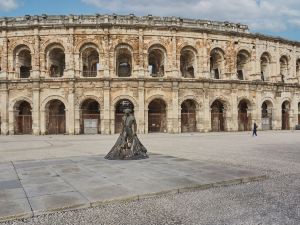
x,y
8,5
271,15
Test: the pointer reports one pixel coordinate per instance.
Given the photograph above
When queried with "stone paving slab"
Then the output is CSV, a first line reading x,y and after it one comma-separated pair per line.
x,y
29,188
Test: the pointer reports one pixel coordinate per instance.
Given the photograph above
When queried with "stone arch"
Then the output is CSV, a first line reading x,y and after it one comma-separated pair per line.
x,y
55,58
55,115
298,68
90,113
188,115
285,114
267,105
14,102
22,60
50,42
243,64
217,62
218,117
188,61
120,97
22,42
222,99
157,115
191,97
81,44
22,116
284,62
265,65
124,60
81,100
157,60
89,61
244,114
157,96
53,97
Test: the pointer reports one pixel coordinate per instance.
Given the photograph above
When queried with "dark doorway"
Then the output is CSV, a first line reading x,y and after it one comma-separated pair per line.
x,y
244,118
56,121
157,116
217,116
266,115
23,120
90,117
188,116
285,116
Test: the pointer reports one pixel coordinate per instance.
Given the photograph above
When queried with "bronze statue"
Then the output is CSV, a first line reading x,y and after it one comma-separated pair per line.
x,y
128,146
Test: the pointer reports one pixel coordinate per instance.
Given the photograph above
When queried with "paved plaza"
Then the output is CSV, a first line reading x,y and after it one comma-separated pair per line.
x,y
190,178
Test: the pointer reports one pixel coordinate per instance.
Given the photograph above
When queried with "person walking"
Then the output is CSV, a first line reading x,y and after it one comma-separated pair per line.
x,y
254,129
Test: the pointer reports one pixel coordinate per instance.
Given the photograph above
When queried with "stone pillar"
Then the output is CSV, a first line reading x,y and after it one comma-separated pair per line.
x,y
206,112
70,112
146,120
11,121
4,56
174,110
204,60
35,73
77,120
141,55
106,54
36,108
4,108
70,65
44,112
277,114
256,112
232,122
106,110
141,110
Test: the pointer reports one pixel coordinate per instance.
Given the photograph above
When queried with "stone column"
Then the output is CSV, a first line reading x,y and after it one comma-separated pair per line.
x,y
106,53
70,112
4,56
70,65
206,112
277,114
36,55
44,112
256,112
106,110
4,108
77,120
232,118
11,121
36,108
141,110
174,110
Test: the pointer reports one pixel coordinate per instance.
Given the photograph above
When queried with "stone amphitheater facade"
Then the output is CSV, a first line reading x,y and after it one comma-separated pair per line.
x,y
76,74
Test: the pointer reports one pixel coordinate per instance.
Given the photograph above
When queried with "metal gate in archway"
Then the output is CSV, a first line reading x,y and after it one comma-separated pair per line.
x,y
90,124
244,121
266,121
24,124
157,122
57,124
188,122
217,122
285,121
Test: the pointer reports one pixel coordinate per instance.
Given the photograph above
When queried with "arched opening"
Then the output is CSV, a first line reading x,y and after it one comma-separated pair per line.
x,y
55,117
156,61
266,115
285,108
90,117
23,118
217,62
244,117
217,116
56,61
188,116
265,61
90,61
123,61
157,116
119,113
187,63
23,62
284,68
243,64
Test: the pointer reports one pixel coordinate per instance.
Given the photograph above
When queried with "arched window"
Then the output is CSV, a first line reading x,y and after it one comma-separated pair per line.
x,y
284,68
22,59
124,60
298,70
90,60
243,64
56,60
156,61
187,62
265,61
217,63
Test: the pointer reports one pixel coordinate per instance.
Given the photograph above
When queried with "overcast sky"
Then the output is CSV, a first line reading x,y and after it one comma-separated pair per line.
x,y
274,17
